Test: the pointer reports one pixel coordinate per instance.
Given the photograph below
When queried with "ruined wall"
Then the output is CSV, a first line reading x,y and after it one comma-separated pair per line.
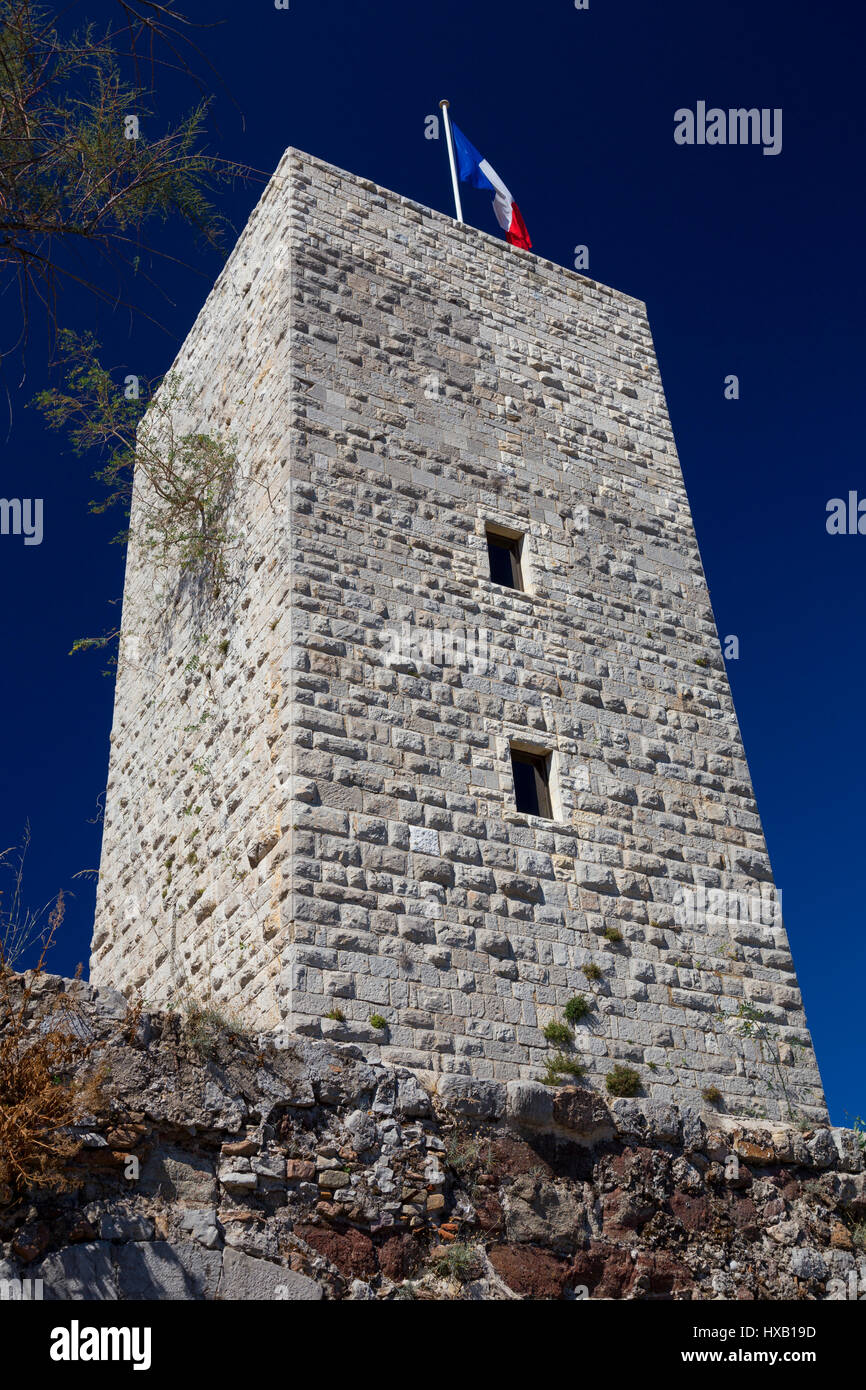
x,y
396,382
218,1166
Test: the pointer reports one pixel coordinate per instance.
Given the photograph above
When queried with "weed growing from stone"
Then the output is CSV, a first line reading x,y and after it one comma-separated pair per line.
x,y
460,1261
577,1008
557,1032
204,1024
623,1081
561,1066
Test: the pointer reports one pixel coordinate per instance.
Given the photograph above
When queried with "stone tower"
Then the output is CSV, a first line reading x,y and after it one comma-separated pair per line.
x,y
451,743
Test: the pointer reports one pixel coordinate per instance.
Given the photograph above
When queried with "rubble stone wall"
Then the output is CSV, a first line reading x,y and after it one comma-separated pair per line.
x,y
227,1167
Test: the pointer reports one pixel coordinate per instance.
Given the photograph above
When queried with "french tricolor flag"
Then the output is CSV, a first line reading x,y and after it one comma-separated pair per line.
x,y
475,170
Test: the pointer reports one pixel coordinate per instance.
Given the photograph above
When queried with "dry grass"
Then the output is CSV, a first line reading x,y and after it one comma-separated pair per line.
x,y
42,1095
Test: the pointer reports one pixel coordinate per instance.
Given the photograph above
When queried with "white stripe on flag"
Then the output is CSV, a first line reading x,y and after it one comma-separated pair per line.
x,y
503,201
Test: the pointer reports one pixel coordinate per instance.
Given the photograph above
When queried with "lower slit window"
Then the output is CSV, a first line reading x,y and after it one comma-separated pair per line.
x,y
531,772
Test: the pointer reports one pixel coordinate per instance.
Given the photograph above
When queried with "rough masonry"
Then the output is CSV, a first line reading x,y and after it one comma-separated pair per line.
x,y
311,815
218,1166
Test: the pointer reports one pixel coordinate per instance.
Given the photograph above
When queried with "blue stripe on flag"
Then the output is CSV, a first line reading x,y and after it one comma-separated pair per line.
x,y
468,160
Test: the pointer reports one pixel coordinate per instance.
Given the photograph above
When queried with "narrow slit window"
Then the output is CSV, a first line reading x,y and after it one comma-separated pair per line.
x,y
504,555
531,772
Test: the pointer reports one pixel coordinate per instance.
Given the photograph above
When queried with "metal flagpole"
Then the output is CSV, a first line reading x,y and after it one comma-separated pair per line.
x,y
444,105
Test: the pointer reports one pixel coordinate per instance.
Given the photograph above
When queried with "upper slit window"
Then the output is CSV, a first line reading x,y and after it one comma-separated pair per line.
x,y
504,555
531,772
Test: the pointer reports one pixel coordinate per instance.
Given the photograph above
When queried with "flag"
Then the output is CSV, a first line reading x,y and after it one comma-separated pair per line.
x,y
475,170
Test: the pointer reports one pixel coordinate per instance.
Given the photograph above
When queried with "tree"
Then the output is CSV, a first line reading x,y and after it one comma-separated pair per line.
x,y
183,477
82,176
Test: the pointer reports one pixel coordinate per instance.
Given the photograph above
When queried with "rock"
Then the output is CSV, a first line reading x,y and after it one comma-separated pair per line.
x,y
412,1100
806,1263
179,1177
693,1129
821,1149
362,1130
529,1103
646,1120
523,887
754,1153
595,877
849,1149
31,1241
162,1270
849,1190
298,1170
840,1237
542,1213
464,1095
582,1111
334,1178
259,848
79,1272
237,1176
120,1226
240,1148
270,1169
203,1227
359,1290
693,1211
244,1277
494,943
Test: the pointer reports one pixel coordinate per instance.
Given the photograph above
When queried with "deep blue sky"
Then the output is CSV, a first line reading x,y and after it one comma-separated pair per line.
x,y
749,264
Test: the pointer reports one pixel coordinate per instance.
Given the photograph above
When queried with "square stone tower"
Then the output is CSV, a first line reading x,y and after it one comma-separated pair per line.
x,y
450,743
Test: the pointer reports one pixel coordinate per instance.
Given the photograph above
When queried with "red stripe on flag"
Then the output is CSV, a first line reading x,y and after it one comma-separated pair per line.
x,y
517,234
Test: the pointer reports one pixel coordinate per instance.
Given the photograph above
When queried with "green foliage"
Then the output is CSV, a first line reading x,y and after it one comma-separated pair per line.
x,y
711,1094
623,1081
377,1021
557,1032
560,1066
76,194
701,661
204,1024
183,478
749,1022
613,935
336,1014
460,1261
592,971
465,1153
577,1008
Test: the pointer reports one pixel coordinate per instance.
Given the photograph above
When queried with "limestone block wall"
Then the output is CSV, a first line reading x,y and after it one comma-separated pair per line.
x,y
311,815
